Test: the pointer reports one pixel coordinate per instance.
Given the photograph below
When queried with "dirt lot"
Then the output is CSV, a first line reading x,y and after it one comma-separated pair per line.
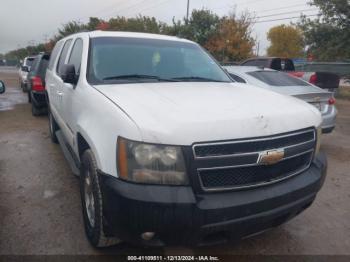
x,y
40,210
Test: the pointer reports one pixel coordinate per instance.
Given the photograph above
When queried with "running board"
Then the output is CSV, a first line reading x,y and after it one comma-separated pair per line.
x,y
67,153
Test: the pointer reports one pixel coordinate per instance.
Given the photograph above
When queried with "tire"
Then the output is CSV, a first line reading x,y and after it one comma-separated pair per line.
x,y
36,111
92,206
29,97
53,127
22,86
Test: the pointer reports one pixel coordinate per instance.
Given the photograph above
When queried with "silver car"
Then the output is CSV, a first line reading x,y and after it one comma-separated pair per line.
x,y
288,85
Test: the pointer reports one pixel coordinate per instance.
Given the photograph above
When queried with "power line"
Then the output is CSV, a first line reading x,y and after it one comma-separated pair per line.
x,y
291,12
280,8
286,18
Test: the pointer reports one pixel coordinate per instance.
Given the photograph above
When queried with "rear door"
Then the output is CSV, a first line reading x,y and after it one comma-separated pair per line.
x,y
57,84
50,78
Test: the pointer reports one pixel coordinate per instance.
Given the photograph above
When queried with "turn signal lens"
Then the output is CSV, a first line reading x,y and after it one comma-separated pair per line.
x,y
122,159
318,140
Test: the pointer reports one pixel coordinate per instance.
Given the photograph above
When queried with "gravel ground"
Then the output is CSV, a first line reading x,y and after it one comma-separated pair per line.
x,y
40,211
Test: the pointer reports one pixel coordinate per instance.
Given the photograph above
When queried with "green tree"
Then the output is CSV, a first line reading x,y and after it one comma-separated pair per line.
x,y
201,25
232,41
70,28
328,36
93,23
138,24
286,41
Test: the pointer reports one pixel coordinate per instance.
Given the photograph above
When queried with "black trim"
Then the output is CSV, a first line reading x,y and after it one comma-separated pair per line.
x,y
68,153
328,130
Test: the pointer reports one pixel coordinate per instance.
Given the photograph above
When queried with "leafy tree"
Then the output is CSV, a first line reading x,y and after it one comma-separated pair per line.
x,y
232,40
328,36
93,23
70,28
227,37
201,25
286,41
137,24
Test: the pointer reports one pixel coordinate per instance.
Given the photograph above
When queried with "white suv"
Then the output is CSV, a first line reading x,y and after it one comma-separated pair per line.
x,y
23,72
170,150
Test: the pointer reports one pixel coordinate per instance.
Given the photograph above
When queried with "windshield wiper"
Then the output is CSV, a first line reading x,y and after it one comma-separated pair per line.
x,y
197,78
139,76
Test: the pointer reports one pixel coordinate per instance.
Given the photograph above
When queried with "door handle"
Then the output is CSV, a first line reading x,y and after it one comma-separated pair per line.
x,y
59,93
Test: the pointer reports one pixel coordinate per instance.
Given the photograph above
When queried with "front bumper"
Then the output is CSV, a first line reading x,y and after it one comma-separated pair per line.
x,y
179,216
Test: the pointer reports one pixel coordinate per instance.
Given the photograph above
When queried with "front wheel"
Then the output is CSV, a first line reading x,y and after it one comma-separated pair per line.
x,y
92,206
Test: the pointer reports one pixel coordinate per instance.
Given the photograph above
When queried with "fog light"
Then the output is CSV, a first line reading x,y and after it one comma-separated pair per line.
x,y
147,235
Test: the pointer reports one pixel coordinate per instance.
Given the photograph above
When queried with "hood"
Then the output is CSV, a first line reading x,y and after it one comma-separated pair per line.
x,y
182,113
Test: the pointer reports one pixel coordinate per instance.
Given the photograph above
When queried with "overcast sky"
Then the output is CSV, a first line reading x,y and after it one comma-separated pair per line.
x,y
31,21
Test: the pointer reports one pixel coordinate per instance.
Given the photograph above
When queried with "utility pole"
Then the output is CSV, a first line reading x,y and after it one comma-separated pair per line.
x,y
188,10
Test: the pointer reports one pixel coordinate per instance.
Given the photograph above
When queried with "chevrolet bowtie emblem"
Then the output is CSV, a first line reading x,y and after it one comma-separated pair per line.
x,y
271,157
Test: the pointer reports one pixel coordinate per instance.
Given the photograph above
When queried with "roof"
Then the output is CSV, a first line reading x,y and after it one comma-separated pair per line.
x,y
98,33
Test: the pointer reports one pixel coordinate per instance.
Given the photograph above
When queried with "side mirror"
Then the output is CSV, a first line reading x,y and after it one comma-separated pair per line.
x,y
68,74
2,87
25,68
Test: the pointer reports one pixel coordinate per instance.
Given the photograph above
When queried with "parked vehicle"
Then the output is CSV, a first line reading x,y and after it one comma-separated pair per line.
x,y
23,72
288,85
170,150
324,80
2,87
36,84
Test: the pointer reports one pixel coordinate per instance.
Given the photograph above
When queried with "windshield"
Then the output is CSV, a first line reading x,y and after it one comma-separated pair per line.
x,y
275,78
127,60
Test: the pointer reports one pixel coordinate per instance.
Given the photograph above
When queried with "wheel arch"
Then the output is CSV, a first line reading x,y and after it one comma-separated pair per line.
x,y
84,142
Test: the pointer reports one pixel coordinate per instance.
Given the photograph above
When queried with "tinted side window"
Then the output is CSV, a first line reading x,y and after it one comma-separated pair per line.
x,y
276,64
35,64
76,54
43,66
63,56
54,54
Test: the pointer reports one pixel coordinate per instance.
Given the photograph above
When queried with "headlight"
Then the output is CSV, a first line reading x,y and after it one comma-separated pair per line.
x,y
318,140
150,163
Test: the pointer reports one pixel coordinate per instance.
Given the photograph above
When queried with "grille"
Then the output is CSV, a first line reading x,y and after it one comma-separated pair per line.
x,y
252,145
253,175
236,164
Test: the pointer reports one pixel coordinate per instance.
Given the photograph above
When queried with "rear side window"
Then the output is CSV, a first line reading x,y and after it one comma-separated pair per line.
x,y
43,66
54,54
276,78
63,56
276,64
35,64
288,65
76,54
